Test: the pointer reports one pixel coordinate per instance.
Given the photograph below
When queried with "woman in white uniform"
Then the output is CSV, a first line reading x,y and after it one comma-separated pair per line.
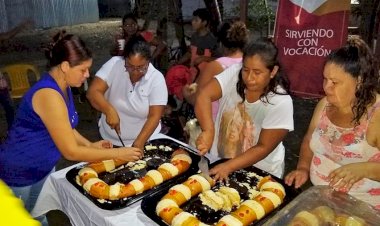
x,y
131,94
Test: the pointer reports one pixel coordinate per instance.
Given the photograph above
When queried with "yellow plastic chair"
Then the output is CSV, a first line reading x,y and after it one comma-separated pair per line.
x,y
18,75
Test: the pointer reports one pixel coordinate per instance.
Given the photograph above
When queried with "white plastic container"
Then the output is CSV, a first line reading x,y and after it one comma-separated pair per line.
x,y
343,205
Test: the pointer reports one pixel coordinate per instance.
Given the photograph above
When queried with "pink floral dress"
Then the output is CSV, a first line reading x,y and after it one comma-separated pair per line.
x,y
335,146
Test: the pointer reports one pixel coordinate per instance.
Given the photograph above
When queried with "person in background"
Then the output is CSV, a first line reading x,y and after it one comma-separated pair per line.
x,y
342,145
203,44
44,127
131,95
203,49
5,97
255,112
129,29
233,37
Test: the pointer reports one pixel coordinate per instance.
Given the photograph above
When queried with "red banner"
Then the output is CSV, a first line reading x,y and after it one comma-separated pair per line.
x,y
305,33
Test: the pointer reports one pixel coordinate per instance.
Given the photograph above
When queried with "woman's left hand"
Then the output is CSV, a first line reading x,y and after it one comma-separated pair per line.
x,y
102,144
221,171
344,177
204,142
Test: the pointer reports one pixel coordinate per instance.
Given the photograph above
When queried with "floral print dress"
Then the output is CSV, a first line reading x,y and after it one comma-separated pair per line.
x,y
334,146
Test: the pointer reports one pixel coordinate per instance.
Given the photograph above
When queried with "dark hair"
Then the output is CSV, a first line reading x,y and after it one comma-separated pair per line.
x,y
203,14
130,16
233,36
267,51
67,47
137,45
356,59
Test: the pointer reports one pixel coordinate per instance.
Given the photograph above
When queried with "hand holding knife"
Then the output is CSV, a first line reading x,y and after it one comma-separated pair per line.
x,y
121,141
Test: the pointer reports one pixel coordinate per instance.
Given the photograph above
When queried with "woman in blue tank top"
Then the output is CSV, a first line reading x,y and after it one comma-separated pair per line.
x,y
44,128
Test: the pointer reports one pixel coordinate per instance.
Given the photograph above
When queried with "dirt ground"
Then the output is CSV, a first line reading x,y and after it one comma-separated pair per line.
x,y
26,47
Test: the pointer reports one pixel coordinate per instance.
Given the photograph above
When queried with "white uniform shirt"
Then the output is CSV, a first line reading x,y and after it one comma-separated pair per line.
x,y
131,102
238,126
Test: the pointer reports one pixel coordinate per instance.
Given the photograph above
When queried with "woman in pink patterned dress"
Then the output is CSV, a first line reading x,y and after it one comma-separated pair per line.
x,y
342,145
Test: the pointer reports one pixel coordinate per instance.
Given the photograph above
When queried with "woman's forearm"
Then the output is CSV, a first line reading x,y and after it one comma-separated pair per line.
x,y
149,127
268,141
373,169
81,140
203,112
89,154
98,101
306,155
248,158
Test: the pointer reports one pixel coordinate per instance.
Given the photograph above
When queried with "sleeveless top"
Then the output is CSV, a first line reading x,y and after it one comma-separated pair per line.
x,y
334,146
225,62
29,153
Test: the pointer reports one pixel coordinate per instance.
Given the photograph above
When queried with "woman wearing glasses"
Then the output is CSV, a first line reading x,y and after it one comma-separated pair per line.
x,y
131,96
129,29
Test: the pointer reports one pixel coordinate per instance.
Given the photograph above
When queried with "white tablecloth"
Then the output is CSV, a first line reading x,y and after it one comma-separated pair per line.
x,y
59,194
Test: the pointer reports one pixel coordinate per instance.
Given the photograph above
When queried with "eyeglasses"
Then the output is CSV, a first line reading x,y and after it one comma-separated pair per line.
x,y
129,25
140,69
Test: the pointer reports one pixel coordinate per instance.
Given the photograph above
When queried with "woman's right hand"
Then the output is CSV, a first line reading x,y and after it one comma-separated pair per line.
x,y
113,120
204,141
298,177
129,154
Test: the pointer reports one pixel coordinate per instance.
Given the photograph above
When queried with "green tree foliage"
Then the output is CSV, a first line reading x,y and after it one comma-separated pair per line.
x,y
260,16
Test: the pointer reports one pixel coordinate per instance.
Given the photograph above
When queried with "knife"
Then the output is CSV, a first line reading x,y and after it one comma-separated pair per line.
x,y
121,141
203,166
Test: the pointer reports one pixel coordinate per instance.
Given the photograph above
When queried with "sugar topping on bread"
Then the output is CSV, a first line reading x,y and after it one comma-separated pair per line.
x,y
170,167
183,157
156,176
204,183
165,203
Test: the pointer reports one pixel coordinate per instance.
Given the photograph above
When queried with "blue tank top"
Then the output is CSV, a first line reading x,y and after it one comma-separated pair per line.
x,y
29,153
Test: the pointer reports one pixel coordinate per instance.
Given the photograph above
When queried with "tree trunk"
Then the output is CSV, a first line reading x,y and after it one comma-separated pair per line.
x,y
244,10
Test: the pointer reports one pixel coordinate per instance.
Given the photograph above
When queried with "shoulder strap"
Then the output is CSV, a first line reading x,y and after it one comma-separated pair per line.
x,y
372,110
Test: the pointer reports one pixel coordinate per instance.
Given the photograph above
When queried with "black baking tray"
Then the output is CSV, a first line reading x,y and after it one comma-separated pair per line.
x,y
149,202
128,175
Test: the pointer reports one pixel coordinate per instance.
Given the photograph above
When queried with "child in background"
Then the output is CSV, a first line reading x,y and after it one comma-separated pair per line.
x,y
203,49
203,44
232,37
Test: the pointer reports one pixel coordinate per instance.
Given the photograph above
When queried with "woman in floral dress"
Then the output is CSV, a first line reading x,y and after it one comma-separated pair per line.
x,y
341,146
